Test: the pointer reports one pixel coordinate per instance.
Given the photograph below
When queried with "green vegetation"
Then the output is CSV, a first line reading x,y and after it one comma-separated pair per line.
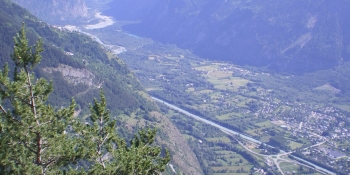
x,y
119,83
265,105
37,139
217,152
287,167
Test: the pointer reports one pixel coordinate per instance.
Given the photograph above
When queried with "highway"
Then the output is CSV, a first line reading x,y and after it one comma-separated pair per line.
x,y
207,121
231,132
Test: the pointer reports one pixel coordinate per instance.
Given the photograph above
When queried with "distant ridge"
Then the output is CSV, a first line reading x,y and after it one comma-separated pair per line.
x,y
287,36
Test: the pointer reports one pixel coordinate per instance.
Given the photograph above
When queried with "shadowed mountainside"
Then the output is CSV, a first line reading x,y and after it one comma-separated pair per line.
x,y
292,36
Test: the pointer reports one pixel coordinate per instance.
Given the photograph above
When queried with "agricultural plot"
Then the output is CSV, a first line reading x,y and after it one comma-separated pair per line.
x,y
295,145
207,68
256,132
259,131
342,107
206,91
223,80
265,138
228,116
264,124
289,168
219,139
229,162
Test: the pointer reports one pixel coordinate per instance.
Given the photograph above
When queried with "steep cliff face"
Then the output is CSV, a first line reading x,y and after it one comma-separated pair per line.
x,y
53,10
291,35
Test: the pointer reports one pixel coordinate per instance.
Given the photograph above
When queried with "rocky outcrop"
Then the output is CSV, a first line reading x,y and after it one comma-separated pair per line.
x,y
182,155
73,75
55,10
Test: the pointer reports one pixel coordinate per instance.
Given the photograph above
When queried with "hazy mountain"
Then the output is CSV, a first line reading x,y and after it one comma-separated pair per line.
x,y
56,10
290,35
79,67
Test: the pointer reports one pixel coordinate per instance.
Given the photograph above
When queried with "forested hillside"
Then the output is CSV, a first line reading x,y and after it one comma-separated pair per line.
x,y
78,67
292,36
118,81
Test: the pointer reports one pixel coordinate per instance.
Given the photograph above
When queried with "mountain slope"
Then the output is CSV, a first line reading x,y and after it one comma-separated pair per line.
x,y
56,10
292,36
79,66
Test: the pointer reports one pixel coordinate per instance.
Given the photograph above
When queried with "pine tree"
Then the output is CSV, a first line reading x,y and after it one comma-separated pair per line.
x,y
33,134
37,139
111,154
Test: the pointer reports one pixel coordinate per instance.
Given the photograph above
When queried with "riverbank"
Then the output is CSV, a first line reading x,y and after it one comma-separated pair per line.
x,y
104,21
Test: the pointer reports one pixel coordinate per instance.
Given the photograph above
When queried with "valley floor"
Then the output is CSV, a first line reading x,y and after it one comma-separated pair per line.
x,y
264,106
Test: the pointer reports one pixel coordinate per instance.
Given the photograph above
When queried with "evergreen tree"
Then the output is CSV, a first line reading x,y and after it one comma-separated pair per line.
x,y
37,139
33,134
112,155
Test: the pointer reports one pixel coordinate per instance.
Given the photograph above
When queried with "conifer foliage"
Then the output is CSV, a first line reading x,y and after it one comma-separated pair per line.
x,y
33,134
37,139
140,157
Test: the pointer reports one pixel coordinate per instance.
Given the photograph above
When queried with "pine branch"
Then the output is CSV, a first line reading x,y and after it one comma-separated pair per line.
x,y
30,149
50,162
42,150
24,101
31,95
2,109
100,156
104,140
48,122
